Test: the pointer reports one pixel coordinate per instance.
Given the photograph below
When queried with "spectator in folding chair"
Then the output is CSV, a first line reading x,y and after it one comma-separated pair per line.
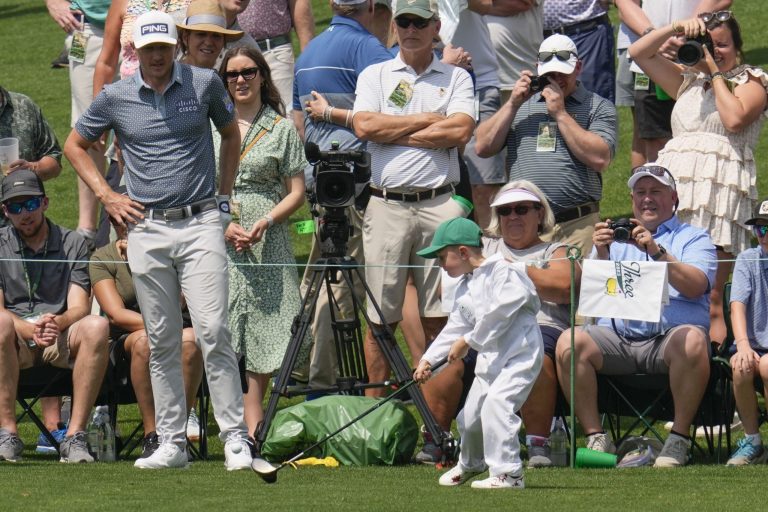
x,y
113,288
749,321
678,345
44,310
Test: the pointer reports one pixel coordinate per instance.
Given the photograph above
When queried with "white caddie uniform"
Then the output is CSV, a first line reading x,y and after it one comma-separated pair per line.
x,y
495,311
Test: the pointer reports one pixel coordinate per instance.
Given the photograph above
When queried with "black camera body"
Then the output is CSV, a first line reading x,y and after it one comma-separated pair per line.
x,y
692,50
538,83
622,229
341,180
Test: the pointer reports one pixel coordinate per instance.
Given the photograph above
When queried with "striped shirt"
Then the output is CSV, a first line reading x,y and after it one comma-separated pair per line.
x,y
750,287
165,138
441,88
566,181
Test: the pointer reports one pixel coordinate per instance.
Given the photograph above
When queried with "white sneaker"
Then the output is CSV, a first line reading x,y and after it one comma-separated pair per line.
x,y
456,476
674,454
601,442
237,453
193,427
167,455
502,481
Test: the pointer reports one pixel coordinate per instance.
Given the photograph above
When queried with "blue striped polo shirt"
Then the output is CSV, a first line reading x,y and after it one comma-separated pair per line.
x,y
750,287
165,138
564,179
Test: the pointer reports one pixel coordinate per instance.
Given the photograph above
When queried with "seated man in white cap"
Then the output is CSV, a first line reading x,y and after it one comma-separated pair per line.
x,y
559,136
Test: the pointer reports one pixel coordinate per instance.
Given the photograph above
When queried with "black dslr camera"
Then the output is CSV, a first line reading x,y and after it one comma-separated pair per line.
x,y
692,50
341,180
622,229
538,83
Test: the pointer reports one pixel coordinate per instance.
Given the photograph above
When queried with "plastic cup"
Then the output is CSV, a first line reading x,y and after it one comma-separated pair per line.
x,y
9,152
586,458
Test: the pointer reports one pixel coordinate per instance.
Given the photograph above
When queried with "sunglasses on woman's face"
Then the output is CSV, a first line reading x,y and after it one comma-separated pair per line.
x,y
247,74
715,18
562,55
520,210
760,231
419,23
31,204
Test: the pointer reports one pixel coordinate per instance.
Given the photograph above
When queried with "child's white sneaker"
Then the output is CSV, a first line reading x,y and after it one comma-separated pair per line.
x,y
456,476
502,481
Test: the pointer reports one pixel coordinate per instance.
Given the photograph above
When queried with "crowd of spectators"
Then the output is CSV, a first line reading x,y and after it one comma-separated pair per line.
x,y
510,103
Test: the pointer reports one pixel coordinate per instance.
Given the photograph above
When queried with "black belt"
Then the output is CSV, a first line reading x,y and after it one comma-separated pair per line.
x,y
577,212
269,43
414,197
182,212
577,28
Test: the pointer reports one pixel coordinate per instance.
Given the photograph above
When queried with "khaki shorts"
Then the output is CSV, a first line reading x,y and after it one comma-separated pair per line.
x,y
392,233
56,355
576,232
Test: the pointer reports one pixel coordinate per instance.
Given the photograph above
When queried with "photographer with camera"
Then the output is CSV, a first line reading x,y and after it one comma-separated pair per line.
x,y
716,122
565,159
678,345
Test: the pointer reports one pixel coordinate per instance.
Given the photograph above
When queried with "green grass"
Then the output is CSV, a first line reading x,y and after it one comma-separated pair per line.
x,y
28,42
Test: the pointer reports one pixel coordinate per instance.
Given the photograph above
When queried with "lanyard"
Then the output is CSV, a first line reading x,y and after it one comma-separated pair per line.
x,y
250,129
32,287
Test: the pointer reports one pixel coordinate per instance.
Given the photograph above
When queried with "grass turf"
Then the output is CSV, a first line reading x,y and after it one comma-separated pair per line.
x,y
29,41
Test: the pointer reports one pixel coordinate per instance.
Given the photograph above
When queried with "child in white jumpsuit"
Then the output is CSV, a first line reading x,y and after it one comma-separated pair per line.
x,y
494,312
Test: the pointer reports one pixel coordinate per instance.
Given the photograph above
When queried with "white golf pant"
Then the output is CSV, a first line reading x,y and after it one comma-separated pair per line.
x,y
186,256
488,424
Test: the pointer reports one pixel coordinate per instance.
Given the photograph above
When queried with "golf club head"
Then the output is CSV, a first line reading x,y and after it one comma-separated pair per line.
x,y
265,470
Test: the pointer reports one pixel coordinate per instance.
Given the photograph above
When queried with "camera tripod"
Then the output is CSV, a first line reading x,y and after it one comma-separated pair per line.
x,y
348,338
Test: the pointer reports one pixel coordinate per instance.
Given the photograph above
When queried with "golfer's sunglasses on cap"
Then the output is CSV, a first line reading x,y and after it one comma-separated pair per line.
x,y
562,55
656,170
715,18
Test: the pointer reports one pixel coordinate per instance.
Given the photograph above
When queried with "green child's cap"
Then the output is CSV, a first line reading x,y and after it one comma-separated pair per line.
x,y
459,231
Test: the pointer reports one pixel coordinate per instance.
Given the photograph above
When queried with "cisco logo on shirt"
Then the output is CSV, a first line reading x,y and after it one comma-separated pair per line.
x,y
188,105
154,28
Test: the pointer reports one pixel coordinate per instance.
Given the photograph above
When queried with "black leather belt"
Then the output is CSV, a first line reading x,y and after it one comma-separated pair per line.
x,y
269,43
414,197
577,212
577,28
182,212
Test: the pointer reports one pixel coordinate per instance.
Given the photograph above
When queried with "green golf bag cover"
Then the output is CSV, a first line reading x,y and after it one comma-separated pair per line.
x,y
386,436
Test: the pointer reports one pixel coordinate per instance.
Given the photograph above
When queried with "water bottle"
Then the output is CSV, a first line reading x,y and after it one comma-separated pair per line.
x,y
558,444
107,436
95,434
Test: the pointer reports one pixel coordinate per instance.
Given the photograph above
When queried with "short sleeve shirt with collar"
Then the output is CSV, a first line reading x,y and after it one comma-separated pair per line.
x,y
566,181
750,287
687,244
165,138
48,282
441,89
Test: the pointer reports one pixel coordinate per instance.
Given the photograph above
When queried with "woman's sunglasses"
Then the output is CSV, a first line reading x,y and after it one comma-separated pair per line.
x,y
562,55
715,18
31,204
247,74
520,210
760,231
419,23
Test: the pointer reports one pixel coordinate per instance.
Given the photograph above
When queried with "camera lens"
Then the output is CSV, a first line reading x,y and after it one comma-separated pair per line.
x,y
621,234
335,188
690,53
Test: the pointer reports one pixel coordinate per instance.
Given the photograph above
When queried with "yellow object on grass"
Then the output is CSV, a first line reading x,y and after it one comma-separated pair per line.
x,y
328,462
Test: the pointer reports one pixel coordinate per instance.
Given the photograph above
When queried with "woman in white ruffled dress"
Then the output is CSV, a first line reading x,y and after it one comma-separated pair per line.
x,y
720,109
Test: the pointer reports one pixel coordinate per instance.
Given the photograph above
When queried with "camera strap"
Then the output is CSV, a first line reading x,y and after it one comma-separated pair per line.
x,y
257,138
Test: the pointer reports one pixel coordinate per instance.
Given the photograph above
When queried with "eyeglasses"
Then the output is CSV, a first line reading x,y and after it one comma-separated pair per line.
x,y
562,55
519,210
715,18
247,74
31,204
656,170
760,231
419,23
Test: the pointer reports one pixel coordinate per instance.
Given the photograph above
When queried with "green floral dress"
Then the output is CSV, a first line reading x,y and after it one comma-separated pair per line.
x,y
264,292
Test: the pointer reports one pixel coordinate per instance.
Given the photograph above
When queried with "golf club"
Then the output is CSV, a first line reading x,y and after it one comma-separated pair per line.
x,y
268,472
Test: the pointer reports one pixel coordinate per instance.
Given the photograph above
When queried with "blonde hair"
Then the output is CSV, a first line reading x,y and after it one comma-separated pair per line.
x,y
546,225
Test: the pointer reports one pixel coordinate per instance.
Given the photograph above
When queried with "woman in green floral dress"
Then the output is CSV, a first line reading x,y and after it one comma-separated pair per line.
x,y
264,286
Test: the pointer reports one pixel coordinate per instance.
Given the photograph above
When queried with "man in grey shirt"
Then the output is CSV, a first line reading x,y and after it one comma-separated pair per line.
x,y
162,118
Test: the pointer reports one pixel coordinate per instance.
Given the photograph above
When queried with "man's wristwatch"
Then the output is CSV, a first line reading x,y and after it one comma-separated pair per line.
x,y
660,254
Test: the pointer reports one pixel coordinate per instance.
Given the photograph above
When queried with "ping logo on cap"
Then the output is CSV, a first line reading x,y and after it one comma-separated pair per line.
x,y
154,28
